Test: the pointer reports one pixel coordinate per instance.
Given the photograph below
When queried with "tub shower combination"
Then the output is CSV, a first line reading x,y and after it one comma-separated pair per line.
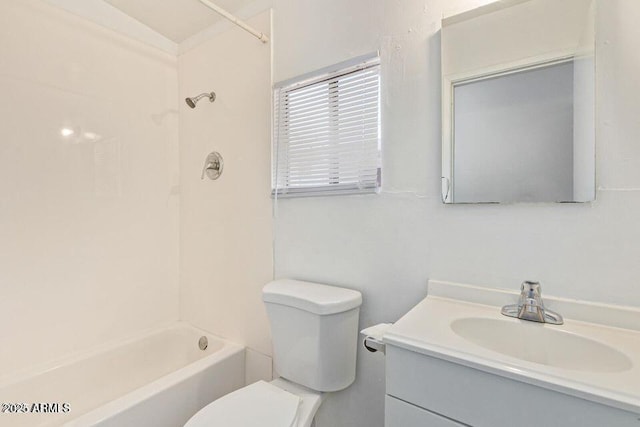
x,y
158,379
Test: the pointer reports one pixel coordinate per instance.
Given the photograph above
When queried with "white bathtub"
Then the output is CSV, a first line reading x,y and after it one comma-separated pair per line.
x,y
159,379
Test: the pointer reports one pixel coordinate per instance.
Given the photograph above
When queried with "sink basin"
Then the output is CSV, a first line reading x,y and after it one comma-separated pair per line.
x,y
540,343
593,356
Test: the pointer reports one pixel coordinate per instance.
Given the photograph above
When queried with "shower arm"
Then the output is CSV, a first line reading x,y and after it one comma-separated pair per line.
x,y
259,35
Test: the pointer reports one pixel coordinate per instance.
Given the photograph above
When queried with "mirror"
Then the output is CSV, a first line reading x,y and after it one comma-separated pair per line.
x,y
519,103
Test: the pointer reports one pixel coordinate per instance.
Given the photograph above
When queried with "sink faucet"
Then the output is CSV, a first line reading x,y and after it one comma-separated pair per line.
x,y
530,306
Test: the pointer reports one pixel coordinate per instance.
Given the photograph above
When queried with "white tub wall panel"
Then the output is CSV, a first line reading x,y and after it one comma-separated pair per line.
x,y
259,366
388,245
88,223
225,225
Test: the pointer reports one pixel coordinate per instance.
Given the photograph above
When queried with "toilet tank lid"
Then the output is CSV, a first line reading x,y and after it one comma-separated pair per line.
x,y
312,297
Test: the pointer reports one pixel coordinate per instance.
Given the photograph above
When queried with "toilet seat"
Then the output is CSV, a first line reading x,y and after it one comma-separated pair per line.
x,y
258,405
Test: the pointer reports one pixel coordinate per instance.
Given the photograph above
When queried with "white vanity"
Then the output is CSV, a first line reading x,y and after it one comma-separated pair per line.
x,y
454,360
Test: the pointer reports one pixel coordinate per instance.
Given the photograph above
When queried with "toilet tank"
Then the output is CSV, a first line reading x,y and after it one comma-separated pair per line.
x,y
315,332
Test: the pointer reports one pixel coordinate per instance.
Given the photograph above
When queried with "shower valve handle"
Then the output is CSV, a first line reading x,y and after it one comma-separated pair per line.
x,y
213,165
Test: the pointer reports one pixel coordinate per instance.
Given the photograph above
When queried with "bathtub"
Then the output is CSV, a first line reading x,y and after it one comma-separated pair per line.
x,y
159,379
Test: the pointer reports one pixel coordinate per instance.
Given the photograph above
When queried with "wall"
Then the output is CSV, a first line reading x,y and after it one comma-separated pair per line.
x,y
225,225
88,222
388,245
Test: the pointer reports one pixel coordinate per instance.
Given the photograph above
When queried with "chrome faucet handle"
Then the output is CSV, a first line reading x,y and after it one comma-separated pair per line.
x,y
531,289
530,306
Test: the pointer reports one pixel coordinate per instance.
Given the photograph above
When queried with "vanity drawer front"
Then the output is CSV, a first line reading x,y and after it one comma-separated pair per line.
x,y
401,414
480,399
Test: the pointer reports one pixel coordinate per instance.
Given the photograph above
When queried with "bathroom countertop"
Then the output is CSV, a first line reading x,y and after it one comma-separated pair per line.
x,y
427,329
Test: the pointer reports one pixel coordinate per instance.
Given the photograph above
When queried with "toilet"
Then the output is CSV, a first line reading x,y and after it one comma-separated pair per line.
x,y
315,339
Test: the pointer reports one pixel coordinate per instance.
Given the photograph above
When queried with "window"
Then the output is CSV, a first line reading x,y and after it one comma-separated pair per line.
x,y
327,132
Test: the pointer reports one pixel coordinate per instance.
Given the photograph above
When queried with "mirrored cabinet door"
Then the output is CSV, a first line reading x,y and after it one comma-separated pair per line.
x,y
518,103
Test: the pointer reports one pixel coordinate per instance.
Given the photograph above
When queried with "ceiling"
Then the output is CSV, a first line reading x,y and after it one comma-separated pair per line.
x,y
175,19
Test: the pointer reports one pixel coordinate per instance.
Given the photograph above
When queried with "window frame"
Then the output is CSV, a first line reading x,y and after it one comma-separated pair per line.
x,y
333,72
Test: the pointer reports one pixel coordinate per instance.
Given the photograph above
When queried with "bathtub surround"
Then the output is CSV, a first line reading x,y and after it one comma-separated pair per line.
x,y
106,106
88,178
225,225
388,245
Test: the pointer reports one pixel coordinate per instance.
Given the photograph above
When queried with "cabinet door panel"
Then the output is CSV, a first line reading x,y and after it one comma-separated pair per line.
x,y
402,414
481,399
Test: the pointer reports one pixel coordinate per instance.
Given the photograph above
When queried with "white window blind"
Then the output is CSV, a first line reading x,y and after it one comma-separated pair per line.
x,y
327,132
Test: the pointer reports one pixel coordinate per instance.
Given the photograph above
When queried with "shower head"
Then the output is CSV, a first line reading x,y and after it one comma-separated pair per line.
x,y
191,102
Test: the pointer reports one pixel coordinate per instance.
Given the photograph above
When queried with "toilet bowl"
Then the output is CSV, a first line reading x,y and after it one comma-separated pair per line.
x,y
315,335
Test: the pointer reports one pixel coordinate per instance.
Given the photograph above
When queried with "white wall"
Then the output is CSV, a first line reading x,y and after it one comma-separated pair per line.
x,y
225,225
388,245
527,31
88,224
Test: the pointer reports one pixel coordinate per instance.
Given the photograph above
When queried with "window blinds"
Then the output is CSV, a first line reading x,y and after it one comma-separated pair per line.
x,y
327,133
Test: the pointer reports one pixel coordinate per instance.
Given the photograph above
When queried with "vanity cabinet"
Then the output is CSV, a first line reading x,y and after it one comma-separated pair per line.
x,y
402,414
427,391
454,359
